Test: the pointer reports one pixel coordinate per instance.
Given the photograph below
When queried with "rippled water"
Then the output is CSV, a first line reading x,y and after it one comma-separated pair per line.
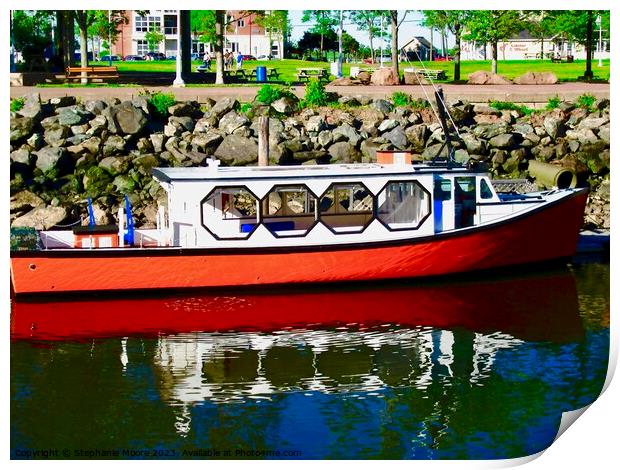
x,y
472,369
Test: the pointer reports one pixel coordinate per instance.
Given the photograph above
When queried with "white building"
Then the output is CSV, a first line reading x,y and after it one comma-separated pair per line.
x,y
524,47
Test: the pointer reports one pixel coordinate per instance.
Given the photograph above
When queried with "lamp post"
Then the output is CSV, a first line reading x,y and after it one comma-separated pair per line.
x,y
340,47
178,81
599,23
110,37
382,42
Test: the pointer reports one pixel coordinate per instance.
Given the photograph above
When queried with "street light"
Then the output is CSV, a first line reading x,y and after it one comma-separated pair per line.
x,y
178,81
599,23
110,37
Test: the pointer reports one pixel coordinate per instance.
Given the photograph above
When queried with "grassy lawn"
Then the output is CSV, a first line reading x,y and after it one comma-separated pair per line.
x,y
288,67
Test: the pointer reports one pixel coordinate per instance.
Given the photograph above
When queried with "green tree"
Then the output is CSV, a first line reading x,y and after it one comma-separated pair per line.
x,y
453,20
202,24
578,25
539,23
492,26
369,21
31,30
324,22
275,23
153,37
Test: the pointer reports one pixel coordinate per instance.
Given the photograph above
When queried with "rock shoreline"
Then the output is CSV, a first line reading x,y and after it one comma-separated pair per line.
x,y
64,151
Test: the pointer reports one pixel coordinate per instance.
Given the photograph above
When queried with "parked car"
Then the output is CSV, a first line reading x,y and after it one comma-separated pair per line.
x,y
155,56
107,58
248,57
171,57
133,57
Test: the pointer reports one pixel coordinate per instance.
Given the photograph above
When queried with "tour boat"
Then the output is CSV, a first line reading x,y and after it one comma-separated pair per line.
x,y
282,225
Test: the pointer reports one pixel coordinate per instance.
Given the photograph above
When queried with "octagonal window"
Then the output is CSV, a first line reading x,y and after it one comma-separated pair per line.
x,y
403,205
289,210
230,212
346,207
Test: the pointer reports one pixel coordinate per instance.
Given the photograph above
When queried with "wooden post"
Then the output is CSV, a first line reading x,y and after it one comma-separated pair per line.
x,y
263,141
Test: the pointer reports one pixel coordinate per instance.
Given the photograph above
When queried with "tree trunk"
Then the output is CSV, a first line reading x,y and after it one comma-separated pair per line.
x,y
394,41
588,75
219,47
542,47
81,17
457,53
372,48
494,57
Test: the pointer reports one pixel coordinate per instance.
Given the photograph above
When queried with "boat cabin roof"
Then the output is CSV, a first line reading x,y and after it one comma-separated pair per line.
x,y
214,172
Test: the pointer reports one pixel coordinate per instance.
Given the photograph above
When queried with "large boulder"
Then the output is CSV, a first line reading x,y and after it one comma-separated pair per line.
x,y
343,152
285,105
536,78
382,105
49,157
346,132
503,141
237,151
315,124
115,144
25,200
417,135
384,77
32,107
397,138
114,165
223,106
486,78
206,142
72,115
412,78
125,118
231,121
41,218
20,127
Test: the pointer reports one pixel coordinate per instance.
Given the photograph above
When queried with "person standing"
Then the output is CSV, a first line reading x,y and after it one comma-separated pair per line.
x,y
206,60
239,60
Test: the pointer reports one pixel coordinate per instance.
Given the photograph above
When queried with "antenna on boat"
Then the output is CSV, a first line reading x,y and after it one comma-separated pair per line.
x,y
441,107
441,113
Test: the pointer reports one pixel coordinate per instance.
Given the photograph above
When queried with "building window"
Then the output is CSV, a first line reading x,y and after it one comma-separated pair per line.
x,y
142,47
240,23
403,205
154,23
346,208
289,210
230,213
141,24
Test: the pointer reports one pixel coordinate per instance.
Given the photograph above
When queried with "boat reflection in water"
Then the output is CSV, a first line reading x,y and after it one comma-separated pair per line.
x,y
443,368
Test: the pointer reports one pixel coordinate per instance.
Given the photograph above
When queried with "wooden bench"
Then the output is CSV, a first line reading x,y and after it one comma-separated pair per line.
x,y
432,74
237,73
308,73
103,74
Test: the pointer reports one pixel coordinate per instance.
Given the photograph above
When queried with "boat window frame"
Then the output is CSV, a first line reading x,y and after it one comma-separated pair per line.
x,y
214,235
373,211
422,220
315,214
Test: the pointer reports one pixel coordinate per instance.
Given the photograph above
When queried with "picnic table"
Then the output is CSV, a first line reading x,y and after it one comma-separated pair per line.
x,y
92,73
271,73
432,74
312,72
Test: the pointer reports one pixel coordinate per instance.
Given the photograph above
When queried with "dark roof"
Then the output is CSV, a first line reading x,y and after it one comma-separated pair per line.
x,y
422,40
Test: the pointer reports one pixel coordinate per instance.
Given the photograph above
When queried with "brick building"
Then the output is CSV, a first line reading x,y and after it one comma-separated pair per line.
x,y
242,34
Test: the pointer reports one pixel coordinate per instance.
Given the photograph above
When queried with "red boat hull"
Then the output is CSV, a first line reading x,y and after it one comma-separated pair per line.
x,y
539,236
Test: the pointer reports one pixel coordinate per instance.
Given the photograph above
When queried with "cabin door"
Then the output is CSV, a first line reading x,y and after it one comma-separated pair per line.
x,y
443,209
464,201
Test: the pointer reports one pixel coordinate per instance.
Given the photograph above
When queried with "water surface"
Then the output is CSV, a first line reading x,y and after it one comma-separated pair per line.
x,y
462,369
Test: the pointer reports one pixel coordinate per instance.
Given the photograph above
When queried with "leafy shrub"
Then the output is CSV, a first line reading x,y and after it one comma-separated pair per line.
x,y
269,93
554,102
315,93
509,106
17,104
161,102
586,101
419,103
400,99
245,107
